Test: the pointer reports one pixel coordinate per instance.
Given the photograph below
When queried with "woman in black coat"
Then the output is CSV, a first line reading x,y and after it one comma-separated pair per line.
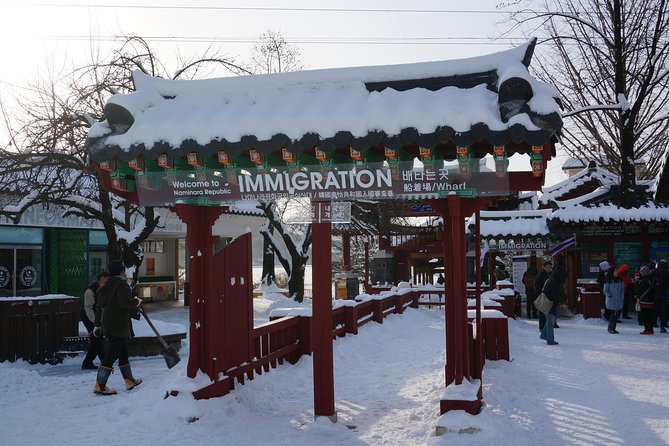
x,y
554,290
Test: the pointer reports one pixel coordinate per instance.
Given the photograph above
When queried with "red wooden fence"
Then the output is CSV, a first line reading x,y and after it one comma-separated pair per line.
x,y
288,338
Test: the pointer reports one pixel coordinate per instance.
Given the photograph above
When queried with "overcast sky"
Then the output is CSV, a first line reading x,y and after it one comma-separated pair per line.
x,y
55,34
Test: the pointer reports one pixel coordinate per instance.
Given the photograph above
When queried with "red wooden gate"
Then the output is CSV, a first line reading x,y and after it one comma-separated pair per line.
x,y
227,316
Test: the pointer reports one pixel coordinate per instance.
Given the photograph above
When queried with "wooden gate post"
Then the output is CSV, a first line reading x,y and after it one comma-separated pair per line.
x,y
321,326
198,220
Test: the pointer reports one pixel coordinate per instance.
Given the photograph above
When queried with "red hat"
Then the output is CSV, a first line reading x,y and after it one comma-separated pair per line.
x,y
623,268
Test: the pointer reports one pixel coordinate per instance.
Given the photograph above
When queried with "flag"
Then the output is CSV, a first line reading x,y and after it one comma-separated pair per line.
x,y
484,251
563,246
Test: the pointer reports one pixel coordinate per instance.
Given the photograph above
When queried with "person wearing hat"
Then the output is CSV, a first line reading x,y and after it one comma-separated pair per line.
x,y
644,294
112,318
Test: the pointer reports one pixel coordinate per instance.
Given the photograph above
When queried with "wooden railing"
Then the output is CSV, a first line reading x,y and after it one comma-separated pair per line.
x,y
287,338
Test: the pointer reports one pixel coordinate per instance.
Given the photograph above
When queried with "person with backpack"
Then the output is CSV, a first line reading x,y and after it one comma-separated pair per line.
x,y
96,346
112,318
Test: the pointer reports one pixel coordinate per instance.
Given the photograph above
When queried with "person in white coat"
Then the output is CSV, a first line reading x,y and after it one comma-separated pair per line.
x,y
614,294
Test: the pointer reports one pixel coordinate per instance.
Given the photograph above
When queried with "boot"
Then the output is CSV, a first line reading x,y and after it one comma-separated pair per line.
x,y
130,382
101,381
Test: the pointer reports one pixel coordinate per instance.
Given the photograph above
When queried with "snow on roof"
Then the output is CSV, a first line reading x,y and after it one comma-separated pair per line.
x,y
607,212
512,223
580,163
283,107
599,205
604,177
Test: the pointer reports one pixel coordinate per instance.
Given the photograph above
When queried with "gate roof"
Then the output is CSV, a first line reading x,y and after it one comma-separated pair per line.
x,y
478,103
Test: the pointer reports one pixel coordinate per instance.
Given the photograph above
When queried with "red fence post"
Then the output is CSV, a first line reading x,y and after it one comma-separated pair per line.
x,y
321,328
351,319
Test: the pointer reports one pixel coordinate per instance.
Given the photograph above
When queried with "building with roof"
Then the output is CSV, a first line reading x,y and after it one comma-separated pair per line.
x,y
586,205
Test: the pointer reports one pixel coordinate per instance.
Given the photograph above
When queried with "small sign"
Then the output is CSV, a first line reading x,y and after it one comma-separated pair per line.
x,y
332,212
28,276
4,277
255,156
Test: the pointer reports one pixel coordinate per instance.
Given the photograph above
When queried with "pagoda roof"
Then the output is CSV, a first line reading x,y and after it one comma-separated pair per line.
x,y
488,100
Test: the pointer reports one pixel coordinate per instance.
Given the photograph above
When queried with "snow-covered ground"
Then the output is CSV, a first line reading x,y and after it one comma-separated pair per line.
x,y
594,388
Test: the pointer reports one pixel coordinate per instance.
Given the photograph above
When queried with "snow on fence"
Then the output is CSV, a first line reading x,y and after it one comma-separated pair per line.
x,y
286,337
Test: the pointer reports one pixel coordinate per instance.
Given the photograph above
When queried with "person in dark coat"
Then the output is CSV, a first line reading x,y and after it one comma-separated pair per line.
x,y
554,290
112,318
643,291
539,282
660,280
528,281
601,278
96,346
624,272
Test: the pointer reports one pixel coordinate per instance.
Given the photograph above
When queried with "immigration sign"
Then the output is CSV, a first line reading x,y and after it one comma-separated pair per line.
x,y
378,182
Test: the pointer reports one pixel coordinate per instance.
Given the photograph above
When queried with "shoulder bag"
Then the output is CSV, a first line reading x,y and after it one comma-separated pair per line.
x,y
543,303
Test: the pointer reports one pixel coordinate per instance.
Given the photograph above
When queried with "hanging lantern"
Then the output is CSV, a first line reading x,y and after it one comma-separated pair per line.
x,y
425,153
108,166
223,158
499,153
165,161
120,182
462,153
287,156
255,157
390,153
194,159
355,154
320,155
137,163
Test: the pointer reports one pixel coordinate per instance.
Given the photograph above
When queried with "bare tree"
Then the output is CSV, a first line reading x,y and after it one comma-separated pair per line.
x,y
272,54
46,162
609,59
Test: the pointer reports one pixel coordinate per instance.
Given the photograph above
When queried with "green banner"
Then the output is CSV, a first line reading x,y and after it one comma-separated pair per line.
x,y
400,181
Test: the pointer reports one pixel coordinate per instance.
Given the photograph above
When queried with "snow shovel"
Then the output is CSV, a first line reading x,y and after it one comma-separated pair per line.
x,y
169,353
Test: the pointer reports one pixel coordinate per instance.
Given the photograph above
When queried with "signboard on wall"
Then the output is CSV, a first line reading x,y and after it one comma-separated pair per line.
x,y
607,230
628,253
659,250
519,268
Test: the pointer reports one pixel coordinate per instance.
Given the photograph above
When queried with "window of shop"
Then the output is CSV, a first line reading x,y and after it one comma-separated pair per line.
x,y
21,268
20,271
592,254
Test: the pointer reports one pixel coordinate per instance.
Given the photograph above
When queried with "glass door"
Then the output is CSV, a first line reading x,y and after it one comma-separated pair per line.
x,y
20,271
